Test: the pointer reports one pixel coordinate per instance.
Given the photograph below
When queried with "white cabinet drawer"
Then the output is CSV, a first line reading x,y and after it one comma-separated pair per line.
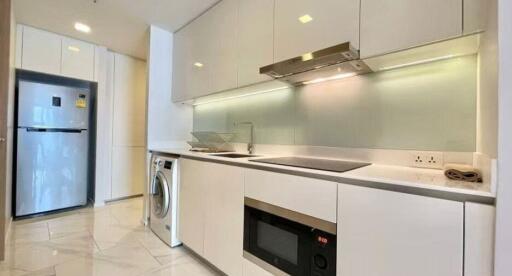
x,y
313,197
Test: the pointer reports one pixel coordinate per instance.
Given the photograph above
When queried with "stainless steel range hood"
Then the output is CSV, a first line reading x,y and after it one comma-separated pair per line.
x,y
331,63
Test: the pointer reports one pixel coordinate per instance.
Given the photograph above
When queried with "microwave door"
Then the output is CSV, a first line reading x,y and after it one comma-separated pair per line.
x,y
277,241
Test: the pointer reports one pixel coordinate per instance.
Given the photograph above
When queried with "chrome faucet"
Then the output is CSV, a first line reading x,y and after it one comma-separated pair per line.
x,y
250,145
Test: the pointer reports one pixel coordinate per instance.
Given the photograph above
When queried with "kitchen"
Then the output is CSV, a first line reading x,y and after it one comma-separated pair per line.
x,y
319,136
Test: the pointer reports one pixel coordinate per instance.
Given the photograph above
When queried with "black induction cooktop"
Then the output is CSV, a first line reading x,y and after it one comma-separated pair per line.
x,y
313,163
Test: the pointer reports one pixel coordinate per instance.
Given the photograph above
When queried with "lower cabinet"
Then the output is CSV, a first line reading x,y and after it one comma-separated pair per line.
x,y
251,269
211,213
191,204
479,239
383,233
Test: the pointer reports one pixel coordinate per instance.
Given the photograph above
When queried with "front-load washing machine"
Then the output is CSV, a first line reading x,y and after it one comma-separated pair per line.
x,y
163,198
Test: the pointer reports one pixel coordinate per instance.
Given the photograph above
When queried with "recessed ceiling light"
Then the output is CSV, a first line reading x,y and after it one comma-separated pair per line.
x,y
305,18
198,64
74,48
81,27
308,56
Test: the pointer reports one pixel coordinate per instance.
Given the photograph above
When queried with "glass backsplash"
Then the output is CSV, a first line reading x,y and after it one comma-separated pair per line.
x,y
423,107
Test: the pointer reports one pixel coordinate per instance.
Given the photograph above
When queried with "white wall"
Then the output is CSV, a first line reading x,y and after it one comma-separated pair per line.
x,y
169,124
503,253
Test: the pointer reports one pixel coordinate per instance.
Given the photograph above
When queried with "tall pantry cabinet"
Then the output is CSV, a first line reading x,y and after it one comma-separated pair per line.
x,y
127,89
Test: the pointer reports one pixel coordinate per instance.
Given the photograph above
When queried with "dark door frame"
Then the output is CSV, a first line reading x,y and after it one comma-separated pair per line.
x,y
5,45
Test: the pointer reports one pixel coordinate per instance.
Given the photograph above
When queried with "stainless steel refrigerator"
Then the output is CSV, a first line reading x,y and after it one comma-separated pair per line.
x,y
52,147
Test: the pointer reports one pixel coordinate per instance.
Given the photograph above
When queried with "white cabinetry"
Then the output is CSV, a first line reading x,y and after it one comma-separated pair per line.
x,y
251,269
50,53
41,51
383,233
479,239
205,56
221,23
77,59
313,197
128,126
211,213
255,39
391,25
224,217
193,181
326,23
191,61
475,15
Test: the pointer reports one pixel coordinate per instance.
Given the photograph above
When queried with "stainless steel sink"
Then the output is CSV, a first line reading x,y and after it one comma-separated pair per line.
x,y
234,155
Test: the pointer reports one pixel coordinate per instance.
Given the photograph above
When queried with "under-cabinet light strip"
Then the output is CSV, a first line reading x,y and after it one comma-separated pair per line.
x,y
418,62
239,96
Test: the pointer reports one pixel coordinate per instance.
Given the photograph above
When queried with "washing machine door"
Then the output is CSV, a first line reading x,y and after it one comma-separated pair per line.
x,y
160,196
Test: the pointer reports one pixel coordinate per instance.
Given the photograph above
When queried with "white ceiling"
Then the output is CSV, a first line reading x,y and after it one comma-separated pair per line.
x,y
121,25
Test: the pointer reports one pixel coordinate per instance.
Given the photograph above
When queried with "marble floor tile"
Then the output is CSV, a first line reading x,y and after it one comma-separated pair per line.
x,y
108,240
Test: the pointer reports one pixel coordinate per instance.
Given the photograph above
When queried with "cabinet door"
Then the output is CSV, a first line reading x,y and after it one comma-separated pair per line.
x,y
77,59
255,39
129,114
303,26
391,25
475,15
220,22
128,171
251,269
191,61
383,233
41,51
128,126
479,239
223,235
192,204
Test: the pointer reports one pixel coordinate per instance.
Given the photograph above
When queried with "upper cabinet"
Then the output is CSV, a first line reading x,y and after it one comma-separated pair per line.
x,y
226,46
303,26
255,41
391,25
475,15
221,25
49,53
205,56
77,59
41,51
190,62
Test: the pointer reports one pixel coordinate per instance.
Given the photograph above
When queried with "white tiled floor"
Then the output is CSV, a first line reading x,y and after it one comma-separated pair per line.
x,y
95,241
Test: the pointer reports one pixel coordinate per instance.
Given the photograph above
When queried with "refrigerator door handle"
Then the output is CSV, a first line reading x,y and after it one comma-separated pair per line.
x,y
34,129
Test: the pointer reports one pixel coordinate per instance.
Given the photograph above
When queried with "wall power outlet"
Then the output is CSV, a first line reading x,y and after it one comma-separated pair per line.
x,y
427,159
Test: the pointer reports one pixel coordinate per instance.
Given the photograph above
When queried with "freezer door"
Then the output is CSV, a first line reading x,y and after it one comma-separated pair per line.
x,y
52,106
51,170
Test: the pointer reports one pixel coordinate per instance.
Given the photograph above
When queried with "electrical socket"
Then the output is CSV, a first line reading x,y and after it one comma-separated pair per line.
x,y
425,159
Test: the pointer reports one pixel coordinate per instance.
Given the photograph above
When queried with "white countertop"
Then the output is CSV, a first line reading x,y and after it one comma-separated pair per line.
x,y
414,180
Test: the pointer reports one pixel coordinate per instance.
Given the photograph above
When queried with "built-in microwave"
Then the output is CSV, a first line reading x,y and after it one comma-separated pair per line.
x,y
285,242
